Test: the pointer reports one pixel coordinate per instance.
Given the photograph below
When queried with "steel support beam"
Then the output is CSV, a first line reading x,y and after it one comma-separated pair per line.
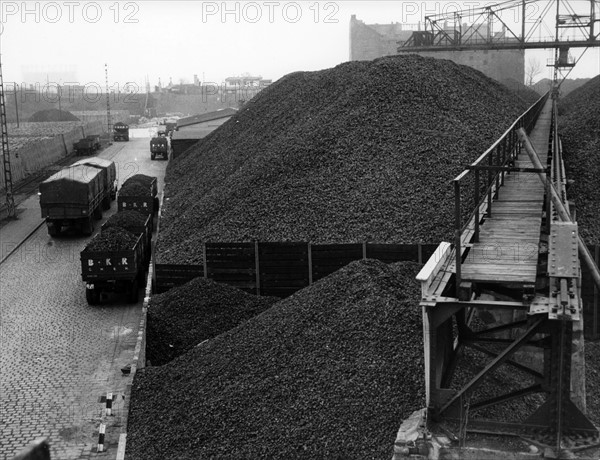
x,y
560,207
503,356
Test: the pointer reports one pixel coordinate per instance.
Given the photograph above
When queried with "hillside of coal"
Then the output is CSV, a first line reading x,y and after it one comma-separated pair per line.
x,y
330,372
579,126
365,151
201,309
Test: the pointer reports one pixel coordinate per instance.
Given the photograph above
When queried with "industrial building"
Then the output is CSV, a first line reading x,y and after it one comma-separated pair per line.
x,y
371,41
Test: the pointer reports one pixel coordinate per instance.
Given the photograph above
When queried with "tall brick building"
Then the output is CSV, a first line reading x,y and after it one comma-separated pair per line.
x,y
370,41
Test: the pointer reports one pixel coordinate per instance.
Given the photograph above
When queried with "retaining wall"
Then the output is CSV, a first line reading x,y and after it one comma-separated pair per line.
x,y
38,155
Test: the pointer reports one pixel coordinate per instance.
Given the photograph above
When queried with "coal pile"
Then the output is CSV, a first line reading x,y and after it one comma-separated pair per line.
x,y
330,372
143,179
53,115
128,220
135,189
365,151
201,309
580,132
592,377
113,239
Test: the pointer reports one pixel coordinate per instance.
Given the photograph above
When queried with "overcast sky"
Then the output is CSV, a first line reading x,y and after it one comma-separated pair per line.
x,y
214,40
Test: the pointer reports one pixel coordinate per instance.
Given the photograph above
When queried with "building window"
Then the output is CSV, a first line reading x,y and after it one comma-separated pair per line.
x,y
485,62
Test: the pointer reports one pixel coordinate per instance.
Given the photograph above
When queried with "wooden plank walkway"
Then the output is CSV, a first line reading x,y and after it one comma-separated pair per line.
x,y
507,251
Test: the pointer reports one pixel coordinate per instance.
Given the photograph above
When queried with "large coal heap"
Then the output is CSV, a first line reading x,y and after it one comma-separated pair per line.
x,y
365,151
579,126
329,372
201,309
53,115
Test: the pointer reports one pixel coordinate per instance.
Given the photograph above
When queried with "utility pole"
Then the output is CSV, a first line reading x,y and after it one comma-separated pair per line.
x,y
16,105
109,121
8,185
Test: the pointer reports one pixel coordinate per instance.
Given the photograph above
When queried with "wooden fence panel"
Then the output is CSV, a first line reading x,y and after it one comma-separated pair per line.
x,y
427,250
170,275
328,258
232,263
283,268
393,252
280,269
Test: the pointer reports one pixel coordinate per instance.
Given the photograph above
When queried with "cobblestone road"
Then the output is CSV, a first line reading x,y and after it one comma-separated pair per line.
x,y
59,356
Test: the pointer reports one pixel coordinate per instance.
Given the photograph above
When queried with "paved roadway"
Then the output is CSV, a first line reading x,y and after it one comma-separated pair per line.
x,y
59,356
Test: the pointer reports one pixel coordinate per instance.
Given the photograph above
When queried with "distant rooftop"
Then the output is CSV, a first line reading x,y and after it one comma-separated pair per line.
x,y
208,116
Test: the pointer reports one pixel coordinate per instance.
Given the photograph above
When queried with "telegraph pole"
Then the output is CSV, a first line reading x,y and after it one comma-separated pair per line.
x,y
109,121
8,185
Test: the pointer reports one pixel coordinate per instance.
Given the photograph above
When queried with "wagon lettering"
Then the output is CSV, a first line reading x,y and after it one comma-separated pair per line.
x,y
123,261
108,262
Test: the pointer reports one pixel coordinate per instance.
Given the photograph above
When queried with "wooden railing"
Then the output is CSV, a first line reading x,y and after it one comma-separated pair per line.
x,y
494,164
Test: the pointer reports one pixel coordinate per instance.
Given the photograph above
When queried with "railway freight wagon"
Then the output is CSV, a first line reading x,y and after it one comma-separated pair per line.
x,y
72,198
109,177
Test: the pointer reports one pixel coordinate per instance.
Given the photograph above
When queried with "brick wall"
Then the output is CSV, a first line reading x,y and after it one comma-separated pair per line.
x,y
37,155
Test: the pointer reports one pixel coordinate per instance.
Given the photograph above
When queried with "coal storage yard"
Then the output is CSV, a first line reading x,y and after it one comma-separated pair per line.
x,y
329,372
185,316
580,130
364,151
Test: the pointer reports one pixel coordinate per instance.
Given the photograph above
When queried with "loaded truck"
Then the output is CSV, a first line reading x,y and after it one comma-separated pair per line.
x,y
95,138
136,223
113,262
170,127
159,146
84,146
121,131
139,193
72,198
109,177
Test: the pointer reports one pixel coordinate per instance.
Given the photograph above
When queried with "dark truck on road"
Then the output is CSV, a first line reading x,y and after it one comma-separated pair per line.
x,y
139,193
109,177
95,138
121,131
84,146
159,146
72,198
113,270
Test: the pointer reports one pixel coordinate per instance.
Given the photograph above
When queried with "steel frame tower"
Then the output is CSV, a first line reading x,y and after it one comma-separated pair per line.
x,y
8,184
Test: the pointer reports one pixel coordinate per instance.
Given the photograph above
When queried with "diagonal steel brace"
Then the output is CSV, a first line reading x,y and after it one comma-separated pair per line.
x,y
503,356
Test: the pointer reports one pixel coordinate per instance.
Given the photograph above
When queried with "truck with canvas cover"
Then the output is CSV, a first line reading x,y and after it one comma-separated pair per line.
x,y
109,177
113,261
72,198
159,146
121,131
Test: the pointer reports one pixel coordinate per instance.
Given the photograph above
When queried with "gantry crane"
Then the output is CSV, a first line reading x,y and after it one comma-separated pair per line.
x,y
450,31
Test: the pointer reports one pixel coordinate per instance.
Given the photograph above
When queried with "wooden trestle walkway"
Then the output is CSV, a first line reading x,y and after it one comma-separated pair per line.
x,y
509,237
